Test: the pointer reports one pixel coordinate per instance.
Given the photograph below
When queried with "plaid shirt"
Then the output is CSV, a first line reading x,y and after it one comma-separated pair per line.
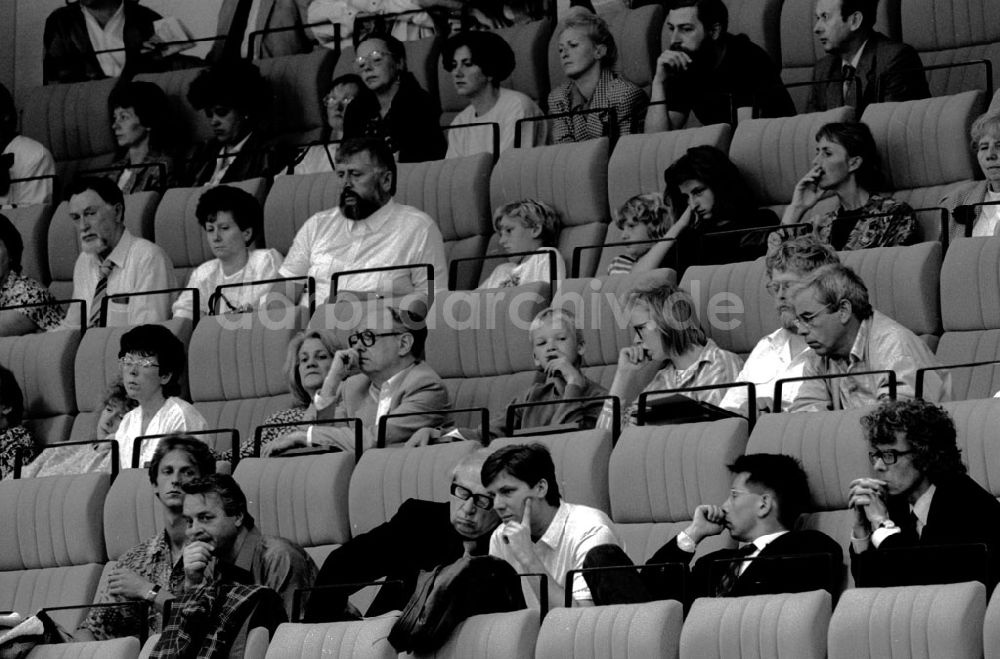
x,y
612,90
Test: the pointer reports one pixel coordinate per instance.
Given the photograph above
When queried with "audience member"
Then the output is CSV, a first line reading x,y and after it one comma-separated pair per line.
x,y
526,226
670,350
368,229
152,361
981,220
93,39
846,31
284,23
113,409
232,220
478,62
382,372
235,99
768,494
782,353
406,116
919,518
432,533
408,27
709,196
588,54
113,261
847,165
141,124
13,435
17,289
557,351
152,570
707,71
642,217
539,531
344,90
21,158
835,317
220,529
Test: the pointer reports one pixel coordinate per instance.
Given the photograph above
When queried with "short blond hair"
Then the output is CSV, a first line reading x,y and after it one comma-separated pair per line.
x,y
649,209
551,314
532,214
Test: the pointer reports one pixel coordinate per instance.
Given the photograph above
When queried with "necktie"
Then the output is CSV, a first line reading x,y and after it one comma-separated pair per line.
x,y
849,89
100,293
732,571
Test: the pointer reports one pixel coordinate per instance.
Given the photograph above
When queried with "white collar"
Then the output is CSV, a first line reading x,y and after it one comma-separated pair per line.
x,y
762,541
922,506
856,59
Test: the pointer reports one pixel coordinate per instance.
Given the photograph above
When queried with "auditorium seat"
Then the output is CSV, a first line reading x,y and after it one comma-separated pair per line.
x,y
786,626
385,478
572,178
924,147
951,31
41,364
456,194
177,230
131,513
302,498
637,165
976,422
995,102
581,461
64,244
251,644
117,648
970,311
489,636
759,20
32,222
832,450
361,639
619,631
911,621
189,125
52,546
298,83
658,475
991,628
294,199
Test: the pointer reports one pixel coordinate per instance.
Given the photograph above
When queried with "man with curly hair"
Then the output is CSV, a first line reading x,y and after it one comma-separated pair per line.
x,y
919,518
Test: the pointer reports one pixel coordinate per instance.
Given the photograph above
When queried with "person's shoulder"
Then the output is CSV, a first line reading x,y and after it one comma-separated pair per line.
x,y
420,508
882,203
808,540
581,514
966,487
743,48
512,97
422,371
65,14
22,144
411,216
883,44
206,270
148,248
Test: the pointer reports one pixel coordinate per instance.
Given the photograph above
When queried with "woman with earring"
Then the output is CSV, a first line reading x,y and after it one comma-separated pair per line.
x,y
140,123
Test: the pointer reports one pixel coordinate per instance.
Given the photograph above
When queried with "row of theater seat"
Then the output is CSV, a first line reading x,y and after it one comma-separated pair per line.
x,y
584,181
61,530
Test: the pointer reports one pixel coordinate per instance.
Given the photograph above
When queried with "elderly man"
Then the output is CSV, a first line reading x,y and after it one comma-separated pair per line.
x,y
848,336
112,260
421,536
367,230
918,517
382,372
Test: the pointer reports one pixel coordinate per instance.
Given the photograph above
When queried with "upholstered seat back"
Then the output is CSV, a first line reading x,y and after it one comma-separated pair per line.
x,y
298,83
337,640
616,632
294,199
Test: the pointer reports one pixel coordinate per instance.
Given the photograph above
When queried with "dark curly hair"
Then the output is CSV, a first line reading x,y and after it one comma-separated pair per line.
x,y
927,427
711,166
489,52
235,84
783,475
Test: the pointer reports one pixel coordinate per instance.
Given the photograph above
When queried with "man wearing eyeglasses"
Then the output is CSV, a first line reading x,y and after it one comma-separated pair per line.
x,y
382,372
420,536
919,518
848,336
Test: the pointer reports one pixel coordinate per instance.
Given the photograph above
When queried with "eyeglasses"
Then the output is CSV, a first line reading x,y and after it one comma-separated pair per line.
x,y
367,338
330,99
888,456
481,501
776,287
138,362
809,319
374,58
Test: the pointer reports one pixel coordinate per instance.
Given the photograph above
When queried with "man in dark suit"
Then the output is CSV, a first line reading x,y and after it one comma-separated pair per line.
x,y
420,536
920,519
888,70
768,494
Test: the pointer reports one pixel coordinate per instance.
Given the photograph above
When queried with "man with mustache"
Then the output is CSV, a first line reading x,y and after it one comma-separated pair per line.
x,y
368,229
710,72
782,353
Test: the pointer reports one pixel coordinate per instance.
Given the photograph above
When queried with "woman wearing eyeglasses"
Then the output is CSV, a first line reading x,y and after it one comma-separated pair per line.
x,y
406,116
152,362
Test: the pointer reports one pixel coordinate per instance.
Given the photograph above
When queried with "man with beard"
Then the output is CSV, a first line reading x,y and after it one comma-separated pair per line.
x,y
367,230
782,353
710,72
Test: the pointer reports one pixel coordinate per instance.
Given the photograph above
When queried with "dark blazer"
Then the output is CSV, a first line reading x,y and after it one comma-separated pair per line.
x,y
882,56
418,537
762,576
256,158
272,14
961,513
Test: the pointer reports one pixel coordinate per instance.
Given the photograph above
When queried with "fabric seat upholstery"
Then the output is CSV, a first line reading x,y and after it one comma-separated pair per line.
x,y
32,222
363,639
117,648
490,636
294,199
298,83
612,632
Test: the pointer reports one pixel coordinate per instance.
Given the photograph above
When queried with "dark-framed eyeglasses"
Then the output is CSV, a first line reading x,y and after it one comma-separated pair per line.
x,y
888,456
481,501
367,338
808,319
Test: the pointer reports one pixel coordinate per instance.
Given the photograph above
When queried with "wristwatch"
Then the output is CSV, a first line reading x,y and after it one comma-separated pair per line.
x,y
886,524
153,592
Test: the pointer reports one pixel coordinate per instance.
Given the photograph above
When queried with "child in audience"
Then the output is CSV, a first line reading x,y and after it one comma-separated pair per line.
x,y
526,226
643,217
557,350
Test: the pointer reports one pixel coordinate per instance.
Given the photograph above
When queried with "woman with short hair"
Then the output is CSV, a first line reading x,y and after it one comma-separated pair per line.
x,y
140,122
983,220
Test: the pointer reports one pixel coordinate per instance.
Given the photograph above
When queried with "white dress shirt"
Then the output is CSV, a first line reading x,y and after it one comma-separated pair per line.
x,y
261,264
109,37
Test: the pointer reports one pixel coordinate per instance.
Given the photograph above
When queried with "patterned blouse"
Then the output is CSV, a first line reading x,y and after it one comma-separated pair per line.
x,y
612,90
18,289
290,415
10,439
150,559
899,227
